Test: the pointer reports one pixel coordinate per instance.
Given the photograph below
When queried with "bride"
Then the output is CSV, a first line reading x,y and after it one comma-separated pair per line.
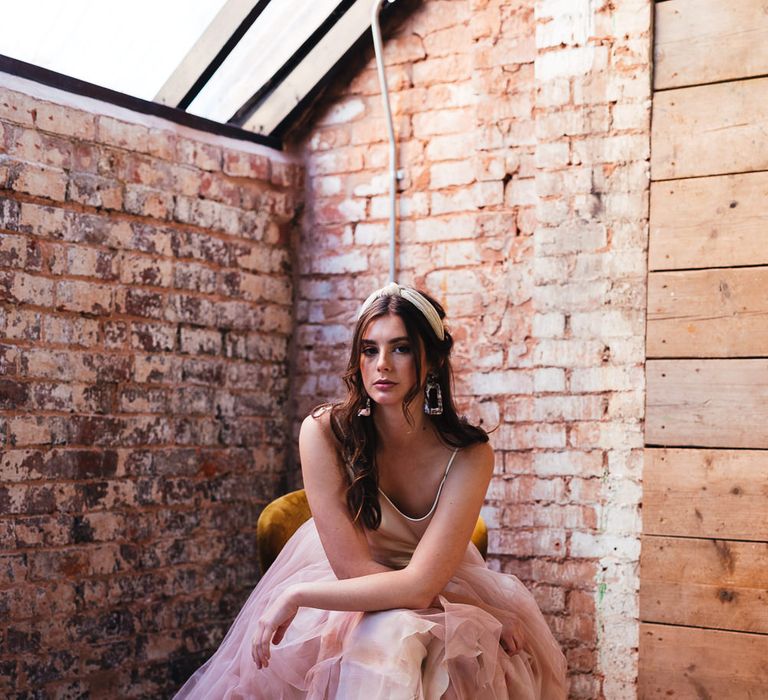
x,y
381,594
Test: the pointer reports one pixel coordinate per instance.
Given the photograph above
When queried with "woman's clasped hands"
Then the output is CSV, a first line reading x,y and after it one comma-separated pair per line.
x,y
272,625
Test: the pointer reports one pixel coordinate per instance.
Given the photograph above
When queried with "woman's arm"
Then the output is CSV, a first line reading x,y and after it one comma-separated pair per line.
x,y
437,556
344,542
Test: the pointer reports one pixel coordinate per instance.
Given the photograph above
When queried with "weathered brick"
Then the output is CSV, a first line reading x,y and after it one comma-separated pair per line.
x,y
146,201
19,287
65,120
38,180
95,191
85,297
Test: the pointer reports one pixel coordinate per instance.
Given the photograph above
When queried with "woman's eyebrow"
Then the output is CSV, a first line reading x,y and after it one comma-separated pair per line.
x,y
392,341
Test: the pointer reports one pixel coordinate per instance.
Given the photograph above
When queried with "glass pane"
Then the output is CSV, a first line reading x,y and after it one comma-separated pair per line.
x,y
131,47
274,37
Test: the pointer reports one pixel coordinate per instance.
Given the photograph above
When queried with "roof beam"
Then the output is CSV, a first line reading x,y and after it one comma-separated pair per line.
x,y
275,106
209,51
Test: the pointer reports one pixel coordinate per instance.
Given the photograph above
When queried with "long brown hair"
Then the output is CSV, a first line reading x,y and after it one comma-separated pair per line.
x,y
356,434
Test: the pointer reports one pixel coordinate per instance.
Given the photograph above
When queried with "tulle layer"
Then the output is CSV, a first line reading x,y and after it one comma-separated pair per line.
x,y
457,652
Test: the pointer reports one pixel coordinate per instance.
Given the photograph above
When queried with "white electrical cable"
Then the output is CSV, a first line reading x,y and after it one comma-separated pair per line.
x,y
377,46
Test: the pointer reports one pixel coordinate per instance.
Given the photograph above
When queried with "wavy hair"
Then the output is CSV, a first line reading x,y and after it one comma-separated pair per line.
x,y
356,435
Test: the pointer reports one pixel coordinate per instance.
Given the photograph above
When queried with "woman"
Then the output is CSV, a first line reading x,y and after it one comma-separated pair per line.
x,y
381,594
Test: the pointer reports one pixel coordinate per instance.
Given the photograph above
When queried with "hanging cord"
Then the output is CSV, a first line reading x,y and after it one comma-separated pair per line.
x,y
377,45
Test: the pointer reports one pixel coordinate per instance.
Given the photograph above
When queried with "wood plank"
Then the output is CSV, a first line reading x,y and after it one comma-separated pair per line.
x,y
707,403
685,662
708,313
709,222
706,493
704,583
688,33
710,130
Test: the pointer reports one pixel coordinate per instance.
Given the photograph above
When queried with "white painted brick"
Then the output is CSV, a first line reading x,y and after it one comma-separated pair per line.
x,y
553,93
607,323
631,116
568,408
626,464
550,325
378,184
490,168
520,192
584,544
548,543
486,194
572,297
571,237
549,379
570,62
451,202
572,462
501,382
612,149
555,352
343,112
449,148
450,173
630,206
552,212
606,379
552,155
444,228
355,261
416,204
443,121
552,269
327,186
610,265
371,234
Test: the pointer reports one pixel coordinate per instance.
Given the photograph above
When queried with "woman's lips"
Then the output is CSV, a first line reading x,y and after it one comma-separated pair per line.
x,y
383,384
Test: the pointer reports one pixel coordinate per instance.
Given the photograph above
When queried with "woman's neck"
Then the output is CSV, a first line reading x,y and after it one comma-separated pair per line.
x,y
395,432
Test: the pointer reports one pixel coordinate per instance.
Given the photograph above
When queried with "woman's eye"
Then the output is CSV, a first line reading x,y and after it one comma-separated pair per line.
x,y
403,348
369,352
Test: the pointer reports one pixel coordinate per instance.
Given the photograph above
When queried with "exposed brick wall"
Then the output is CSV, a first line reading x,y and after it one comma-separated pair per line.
x,y
145,314
523,131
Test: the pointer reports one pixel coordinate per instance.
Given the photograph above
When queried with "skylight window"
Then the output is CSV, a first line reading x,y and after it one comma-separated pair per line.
x,y
234,65
131,47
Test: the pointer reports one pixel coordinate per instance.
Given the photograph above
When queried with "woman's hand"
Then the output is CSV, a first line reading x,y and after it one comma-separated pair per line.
x,y
272,625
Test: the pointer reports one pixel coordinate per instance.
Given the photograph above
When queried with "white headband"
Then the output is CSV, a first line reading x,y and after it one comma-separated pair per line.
x,y
393,289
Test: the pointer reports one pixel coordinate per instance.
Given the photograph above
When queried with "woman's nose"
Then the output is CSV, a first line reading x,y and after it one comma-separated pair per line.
x,y
383,360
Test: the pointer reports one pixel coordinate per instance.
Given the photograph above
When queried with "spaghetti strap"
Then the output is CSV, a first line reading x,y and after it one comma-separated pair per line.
x,y
437,497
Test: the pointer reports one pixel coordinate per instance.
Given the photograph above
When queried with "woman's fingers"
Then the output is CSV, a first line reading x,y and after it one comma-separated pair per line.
x,y
260,645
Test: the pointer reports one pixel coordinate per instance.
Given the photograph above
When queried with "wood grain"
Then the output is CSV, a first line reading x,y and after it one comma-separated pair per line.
x,y
709,222
708,313
706,493
690,33
685,662
710,130
704,583
707,403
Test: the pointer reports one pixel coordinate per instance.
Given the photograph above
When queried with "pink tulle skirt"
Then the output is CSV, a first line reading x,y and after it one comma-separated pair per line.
x,y
454,652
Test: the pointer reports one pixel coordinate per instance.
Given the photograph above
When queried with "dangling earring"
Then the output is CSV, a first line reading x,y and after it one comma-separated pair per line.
x,y
433,396
365,410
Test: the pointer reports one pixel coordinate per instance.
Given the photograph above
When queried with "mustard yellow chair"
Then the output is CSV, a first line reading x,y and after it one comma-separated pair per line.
x,y
283,516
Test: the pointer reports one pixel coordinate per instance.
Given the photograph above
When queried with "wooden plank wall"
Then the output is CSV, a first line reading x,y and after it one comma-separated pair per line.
x,y
704,560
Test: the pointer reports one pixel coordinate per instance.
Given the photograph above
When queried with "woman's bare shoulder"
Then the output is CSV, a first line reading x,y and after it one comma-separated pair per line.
x,y
317,434
479,455
318,423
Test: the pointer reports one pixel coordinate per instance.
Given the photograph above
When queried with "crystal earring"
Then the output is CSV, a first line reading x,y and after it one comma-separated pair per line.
x,y
433,397
365,410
